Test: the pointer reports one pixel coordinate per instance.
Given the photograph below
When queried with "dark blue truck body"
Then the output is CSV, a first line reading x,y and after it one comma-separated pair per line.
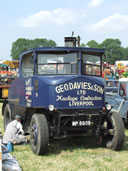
x,y
69,92
60,92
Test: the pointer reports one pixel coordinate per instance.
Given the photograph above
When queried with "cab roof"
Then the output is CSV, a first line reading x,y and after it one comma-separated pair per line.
x,y
64,49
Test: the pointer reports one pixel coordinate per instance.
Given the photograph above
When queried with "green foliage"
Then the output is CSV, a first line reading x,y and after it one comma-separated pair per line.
x,y
22,44
82,45
113,49
125,53
93,44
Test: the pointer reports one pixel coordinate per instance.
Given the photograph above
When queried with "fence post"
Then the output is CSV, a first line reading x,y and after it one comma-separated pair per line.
x,y
0,151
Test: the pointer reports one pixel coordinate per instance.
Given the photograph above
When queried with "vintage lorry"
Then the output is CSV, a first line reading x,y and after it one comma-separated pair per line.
x,y
118,98
60,93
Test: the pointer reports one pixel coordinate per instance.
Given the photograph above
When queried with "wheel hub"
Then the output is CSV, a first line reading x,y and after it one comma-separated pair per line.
x,y
34,134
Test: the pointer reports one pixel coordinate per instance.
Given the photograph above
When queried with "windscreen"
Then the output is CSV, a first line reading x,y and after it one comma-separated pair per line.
x,y
57,64
91,65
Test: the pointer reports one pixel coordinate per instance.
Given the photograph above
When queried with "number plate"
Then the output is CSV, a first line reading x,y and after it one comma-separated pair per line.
x,y
81,123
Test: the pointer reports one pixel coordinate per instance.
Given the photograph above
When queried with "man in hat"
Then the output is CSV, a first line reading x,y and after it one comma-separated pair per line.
x,y
14,132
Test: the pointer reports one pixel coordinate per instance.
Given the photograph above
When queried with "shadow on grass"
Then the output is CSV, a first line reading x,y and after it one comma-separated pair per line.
x,y
126,124
125,147
73,143
84,142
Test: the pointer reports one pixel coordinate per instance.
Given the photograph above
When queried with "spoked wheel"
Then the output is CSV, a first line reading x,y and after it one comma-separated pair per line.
x,y
113,134
39,134
7,115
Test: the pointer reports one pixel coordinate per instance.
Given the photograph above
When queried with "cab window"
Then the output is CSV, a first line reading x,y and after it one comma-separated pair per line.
x,y
91,65
27,65
57,64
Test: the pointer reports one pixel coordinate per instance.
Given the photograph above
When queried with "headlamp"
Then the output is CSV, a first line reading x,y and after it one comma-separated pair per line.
x,y
108,106
51,107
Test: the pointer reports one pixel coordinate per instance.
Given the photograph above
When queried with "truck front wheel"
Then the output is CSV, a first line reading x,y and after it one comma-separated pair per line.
x,y
7,115
39,134
113,135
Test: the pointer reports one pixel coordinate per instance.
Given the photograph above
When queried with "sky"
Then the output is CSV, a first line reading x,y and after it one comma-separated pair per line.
x,y
55,19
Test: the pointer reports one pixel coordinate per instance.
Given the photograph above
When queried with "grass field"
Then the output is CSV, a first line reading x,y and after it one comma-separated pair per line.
x,y
72,154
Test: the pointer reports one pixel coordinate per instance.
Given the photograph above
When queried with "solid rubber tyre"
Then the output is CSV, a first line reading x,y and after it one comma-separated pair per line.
x,y
39,134
115,139
7,115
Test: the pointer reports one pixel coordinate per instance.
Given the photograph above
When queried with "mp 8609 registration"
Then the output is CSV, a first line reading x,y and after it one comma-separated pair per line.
x,y
81,123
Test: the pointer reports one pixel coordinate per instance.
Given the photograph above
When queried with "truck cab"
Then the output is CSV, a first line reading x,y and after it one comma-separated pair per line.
x,y
60,93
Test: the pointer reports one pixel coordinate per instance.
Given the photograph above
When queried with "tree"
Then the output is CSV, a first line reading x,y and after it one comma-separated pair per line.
x,y
82,45
92,44
125,53
113,50
22,44
19,46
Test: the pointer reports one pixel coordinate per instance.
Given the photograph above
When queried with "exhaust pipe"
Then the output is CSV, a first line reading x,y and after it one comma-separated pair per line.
x,y
72,41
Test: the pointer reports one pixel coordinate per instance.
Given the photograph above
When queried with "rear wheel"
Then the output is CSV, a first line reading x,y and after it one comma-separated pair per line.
x,y
39,134
113,135
7,115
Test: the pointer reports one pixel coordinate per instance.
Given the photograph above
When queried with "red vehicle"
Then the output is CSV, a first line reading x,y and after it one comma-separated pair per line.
x,y
7,74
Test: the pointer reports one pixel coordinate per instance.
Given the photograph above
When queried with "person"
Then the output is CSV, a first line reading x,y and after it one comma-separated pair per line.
x,y
14,132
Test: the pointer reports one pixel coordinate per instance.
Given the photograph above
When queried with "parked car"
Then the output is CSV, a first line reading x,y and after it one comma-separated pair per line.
x,y
111,87
119,100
